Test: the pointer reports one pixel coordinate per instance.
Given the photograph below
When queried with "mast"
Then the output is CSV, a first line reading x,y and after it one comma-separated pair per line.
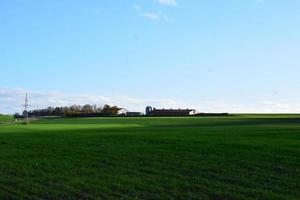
x,y
26,109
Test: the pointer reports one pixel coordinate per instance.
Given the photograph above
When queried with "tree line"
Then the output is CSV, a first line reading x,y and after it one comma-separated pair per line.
x,y
72,111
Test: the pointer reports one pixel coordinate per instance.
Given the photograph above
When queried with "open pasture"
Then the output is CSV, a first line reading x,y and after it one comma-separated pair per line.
x,y
237,157
5,119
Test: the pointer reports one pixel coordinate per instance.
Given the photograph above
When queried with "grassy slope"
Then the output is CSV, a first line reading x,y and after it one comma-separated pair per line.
x,y
242,157
5,118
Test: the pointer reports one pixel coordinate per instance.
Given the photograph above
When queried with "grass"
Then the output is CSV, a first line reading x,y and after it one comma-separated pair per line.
x,y
238,157
5,118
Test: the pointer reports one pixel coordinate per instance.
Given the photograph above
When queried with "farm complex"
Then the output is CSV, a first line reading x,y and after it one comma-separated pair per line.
x,y
168,112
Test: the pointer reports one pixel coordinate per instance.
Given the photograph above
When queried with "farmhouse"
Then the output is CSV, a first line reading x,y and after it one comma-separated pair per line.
x,y
168,112
125,112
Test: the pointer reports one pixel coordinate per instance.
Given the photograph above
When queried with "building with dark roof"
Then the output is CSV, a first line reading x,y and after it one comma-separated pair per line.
x,y
168,112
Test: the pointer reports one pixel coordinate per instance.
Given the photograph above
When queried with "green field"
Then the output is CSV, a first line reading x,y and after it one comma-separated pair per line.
x,y
237,157
5,119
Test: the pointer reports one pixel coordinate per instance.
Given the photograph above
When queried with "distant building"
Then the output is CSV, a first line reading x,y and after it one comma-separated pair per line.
x,y
133,114
168,112
125,112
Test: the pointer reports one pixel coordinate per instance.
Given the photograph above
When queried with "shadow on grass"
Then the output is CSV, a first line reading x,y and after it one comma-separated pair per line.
x,y
234,122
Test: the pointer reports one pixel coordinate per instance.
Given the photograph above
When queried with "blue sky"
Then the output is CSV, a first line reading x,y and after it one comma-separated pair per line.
x,y
213,55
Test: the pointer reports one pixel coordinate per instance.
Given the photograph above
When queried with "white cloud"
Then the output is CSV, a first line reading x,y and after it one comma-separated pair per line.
x,y
156,16
167,2
279,106
11,100
152,16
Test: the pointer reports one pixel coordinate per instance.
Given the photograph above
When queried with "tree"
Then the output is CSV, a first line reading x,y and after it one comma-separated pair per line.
x,y
87,109
74,110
